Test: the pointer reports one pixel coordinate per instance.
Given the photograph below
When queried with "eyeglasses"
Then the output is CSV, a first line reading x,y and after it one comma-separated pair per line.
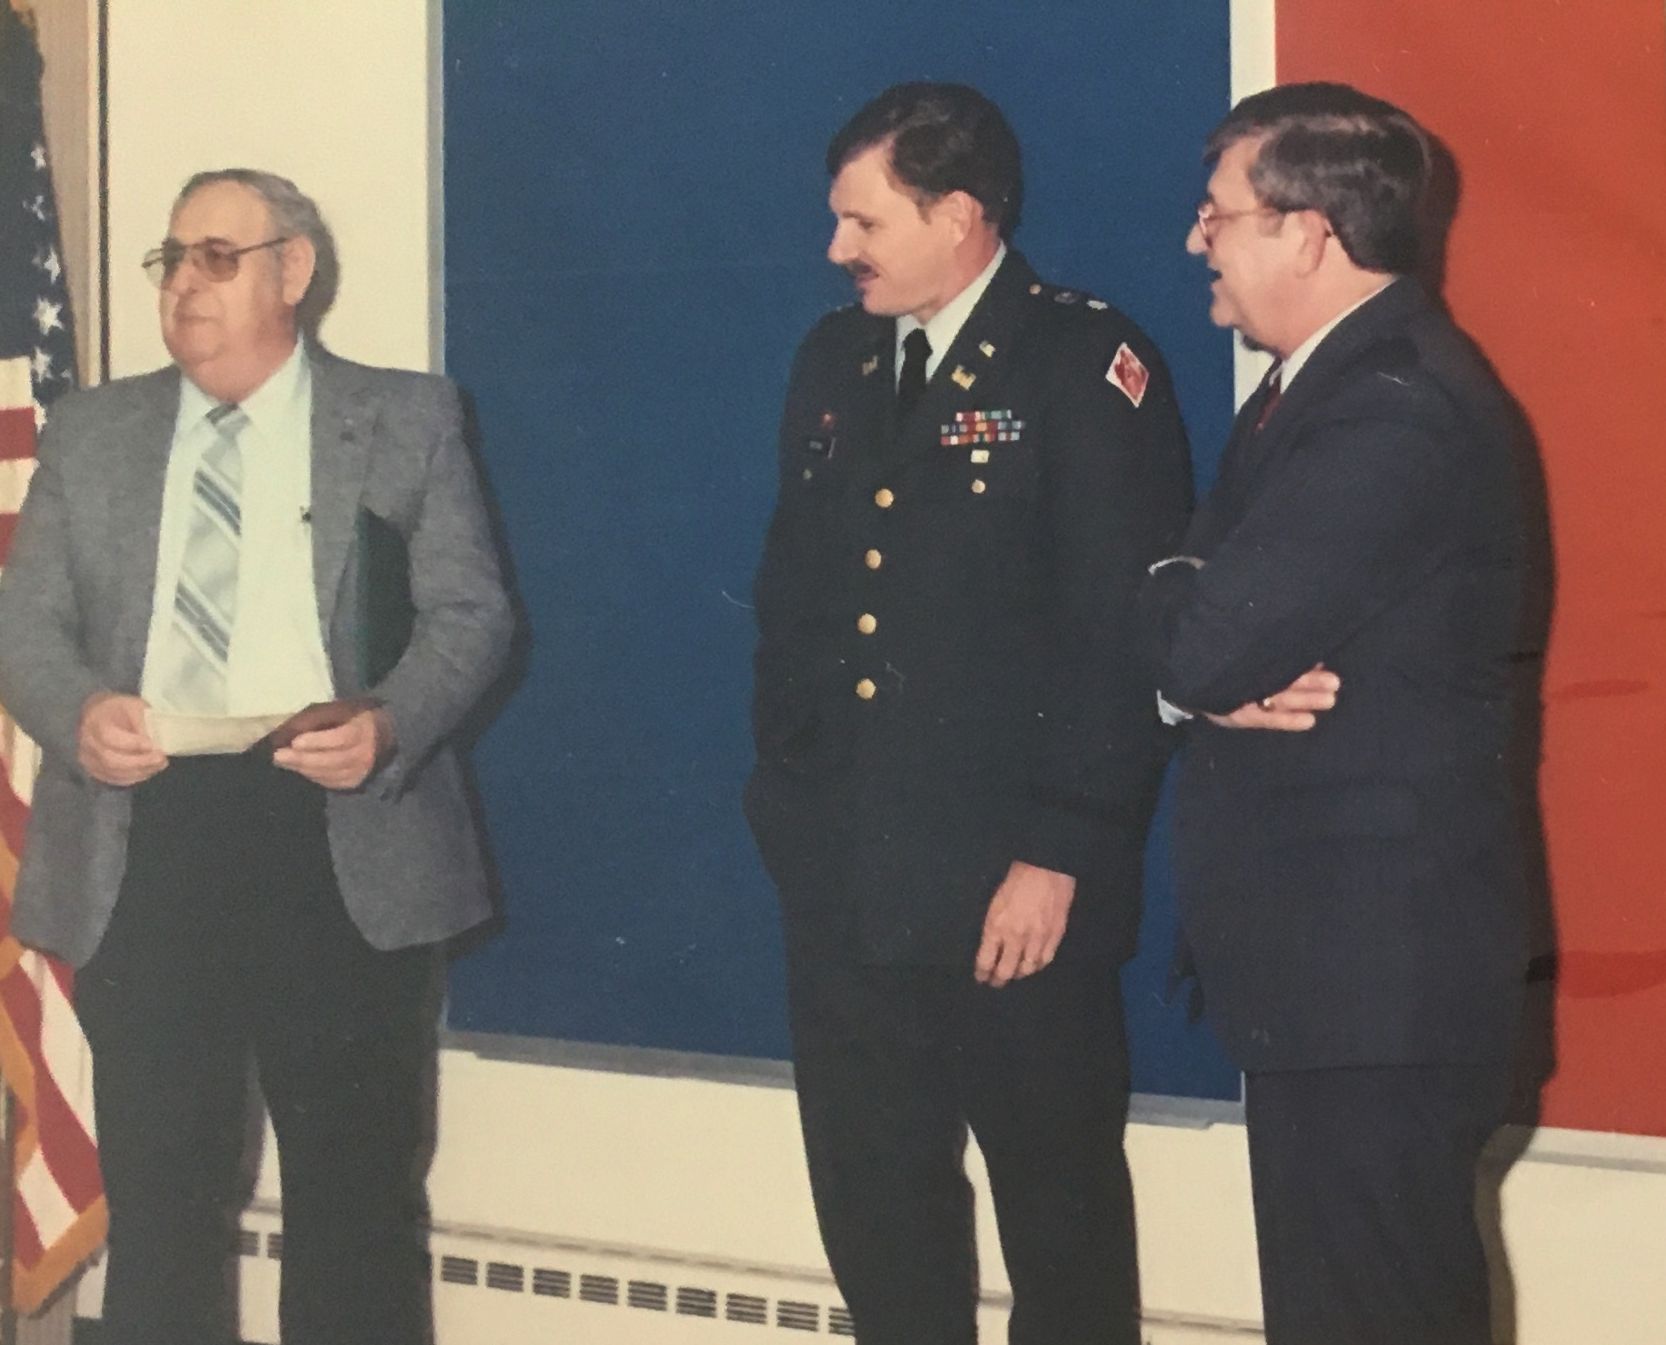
x,y
1208,216
214,257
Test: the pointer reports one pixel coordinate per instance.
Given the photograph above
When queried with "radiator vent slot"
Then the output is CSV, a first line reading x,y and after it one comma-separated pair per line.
x,y
747,1308
797,1316
598,1288
685,1300
552,1283
696,1302
500,1275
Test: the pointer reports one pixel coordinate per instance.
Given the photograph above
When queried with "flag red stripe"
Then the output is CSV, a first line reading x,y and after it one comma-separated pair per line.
x,y
17,432
71,1157
14,817
26,1247
22,1005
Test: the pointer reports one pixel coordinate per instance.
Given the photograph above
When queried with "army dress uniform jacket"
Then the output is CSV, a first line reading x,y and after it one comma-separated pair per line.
x,y
946,679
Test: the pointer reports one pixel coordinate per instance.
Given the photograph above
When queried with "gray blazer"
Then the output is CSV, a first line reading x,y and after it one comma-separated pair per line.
x,y
75,606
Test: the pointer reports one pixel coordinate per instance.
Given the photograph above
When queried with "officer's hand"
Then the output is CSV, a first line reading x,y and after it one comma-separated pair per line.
x,y
1294,710
341,757
1025,923
111,743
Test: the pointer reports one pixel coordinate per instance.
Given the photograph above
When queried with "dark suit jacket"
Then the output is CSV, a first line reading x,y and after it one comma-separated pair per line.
x,y
1008,719
75,608
1354,894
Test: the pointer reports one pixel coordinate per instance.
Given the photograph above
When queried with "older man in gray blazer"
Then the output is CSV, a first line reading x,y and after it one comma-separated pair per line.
x,y
256,529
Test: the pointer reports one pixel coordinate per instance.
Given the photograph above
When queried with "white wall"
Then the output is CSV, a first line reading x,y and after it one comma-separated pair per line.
x,y
335,96
338,97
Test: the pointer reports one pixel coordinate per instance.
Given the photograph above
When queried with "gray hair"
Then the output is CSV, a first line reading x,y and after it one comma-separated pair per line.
x,y
294,215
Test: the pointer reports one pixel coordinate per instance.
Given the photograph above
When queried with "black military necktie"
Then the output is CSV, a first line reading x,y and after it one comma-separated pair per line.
x,y
916,350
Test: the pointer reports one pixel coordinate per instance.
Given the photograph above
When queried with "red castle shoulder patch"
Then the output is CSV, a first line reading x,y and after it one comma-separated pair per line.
x,y
1128,374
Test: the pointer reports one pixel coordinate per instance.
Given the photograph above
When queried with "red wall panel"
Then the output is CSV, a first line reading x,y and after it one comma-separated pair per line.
x,y
1556,115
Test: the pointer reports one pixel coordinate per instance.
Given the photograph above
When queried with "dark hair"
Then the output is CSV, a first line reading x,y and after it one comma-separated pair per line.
x,y
943,138
1360,162
294,214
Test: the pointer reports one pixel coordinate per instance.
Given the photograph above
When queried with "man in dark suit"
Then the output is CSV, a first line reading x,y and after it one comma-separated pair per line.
x,y
975,470
1351,887
256,528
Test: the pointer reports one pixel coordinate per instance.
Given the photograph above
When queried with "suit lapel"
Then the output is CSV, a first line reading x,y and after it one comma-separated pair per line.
x,y
141,441
343,418
1249,450
1386,311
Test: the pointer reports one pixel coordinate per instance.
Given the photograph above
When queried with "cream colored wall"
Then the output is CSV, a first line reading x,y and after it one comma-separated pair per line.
x,y
335,96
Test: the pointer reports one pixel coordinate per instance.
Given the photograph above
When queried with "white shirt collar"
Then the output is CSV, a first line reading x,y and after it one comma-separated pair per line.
x,y
275,399
946,323
1288,370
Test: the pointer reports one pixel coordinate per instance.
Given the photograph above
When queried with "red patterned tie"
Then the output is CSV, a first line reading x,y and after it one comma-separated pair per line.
x,y
1275,390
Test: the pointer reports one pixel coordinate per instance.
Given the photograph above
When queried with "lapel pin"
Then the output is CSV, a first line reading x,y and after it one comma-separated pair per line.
x,y
963,377
987,349
869,365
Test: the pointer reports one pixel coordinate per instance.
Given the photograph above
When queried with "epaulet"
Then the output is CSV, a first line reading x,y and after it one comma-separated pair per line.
x,y
1053,294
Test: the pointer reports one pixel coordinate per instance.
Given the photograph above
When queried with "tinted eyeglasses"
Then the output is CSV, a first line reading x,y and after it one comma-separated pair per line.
x,y
214,257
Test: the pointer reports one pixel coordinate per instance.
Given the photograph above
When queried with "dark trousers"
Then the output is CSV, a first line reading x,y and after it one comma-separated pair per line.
x,y
1364,1185
892,1065
230,945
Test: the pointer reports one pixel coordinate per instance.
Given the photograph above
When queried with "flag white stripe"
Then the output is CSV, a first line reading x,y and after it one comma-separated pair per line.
x,y
15,388
49,1209
15,476
63,1045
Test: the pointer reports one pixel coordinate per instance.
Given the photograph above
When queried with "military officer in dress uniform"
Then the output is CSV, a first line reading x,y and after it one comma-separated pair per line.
x,y
956,753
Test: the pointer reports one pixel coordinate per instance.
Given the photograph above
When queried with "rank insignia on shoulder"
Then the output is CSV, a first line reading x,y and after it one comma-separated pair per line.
x,y
1128,374
963,376
1066,297
1097,303
869,365
986,350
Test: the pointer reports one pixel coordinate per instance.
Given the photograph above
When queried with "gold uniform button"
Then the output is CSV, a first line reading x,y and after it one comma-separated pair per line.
x,y
873,560
865,689
979,486
884,498
867,623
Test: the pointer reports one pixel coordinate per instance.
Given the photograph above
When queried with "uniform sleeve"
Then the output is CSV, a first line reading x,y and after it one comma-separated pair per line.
x,y
788,574
1116,493
1355,516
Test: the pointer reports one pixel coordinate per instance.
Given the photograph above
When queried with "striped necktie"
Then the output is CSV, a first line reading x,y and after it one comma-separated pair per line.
x,y
205,600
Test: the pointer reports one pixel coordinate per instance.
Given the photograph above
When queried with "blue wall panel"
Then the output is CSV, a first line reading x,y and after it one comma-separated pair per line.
x,y
635,220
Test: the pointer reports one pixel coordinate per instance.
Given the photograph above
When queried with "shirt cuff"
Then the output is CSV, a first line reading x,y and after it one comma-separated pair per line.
x,y
1193,561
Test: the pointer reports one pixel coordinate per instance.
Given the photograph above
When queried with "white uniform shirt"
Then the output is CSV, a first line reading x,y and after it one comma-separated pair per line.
x,y
946,323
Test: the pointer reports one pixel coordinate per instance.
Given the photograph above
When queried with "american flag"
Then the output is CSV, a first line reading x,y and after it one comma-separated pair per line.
x,y
58,1217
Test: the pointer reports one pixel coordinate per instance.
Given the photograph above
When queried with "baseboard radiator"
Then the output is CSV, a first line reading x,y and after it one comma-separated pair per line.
x,y
497,1287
